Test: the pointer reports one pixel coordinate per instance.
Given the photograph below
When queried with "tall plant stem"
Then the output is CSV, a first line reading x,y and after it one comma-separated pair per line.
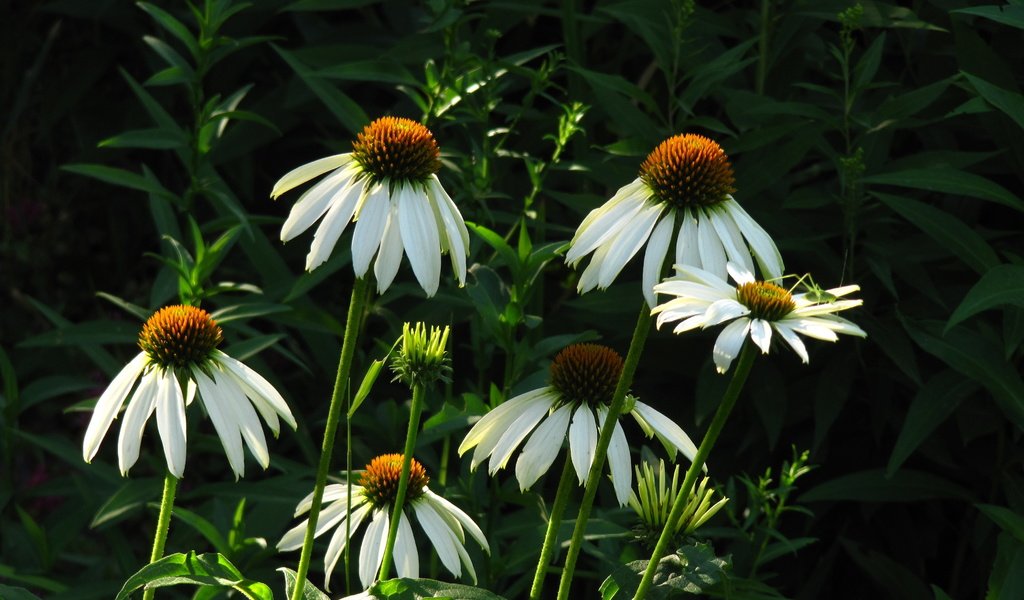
x,y
739,377
163,523
636,348
418,391
348,347
547,551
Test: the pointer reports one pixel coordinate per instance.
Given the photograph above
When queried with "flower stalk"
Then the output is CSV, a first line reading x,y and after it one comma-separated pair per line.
x,y
338,407
636,347
746,361
547,551
163,524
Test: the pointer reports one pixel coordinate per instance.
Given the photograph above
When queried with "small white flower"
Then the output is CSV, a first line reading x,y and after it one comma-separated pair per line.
x,y
373,499
583,379
684,184
179,347
388,186
755,308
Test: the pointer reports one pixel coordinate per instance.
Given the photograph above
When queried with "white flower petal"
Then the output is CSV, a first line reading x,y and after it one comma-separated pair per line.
x,y
334,224
109,404
606,221
453,226
666,429
712,255
814,328
460,516
654,257
486,433
729,342
317,200
440,536
245,415
407,560
170,421
223,422
792,339
582,441
762,245
761,334
389,259
140,407
591,275
721,311
529,417
420,236
618,459
628,243
687,242
371,551
308,171
257,388
542,447
338,541
731,237
739,274
373,214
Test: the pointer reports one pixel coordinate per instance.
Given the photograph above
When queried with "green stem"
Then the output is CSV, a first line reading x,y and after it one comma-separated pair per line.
x,y
739,377
418,392
762,49
547,551
348,348
636,348
163,523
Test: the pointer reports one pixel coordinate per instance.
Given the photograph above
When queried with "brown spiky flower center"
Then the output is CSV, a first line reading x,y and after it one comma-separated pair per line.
x,y
765,300
380,480
586,373
180,336
398,149
688,170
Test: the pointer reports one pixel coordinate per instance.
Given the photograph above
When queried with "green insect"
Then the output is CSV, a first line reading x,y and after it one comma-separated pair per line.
x,y
814,291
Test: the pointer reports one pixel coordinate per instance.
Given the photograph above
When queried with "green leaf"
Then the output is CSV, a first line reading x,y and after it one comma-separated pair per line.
x,y
164,50
939,594
692,570
132,495
873,485
252,346
867,66
172,25
504,250
158,139
348,113
1006,14
16,593
121,178
417,589
932,405
36,581
950,232
85,334
249,310
1000,286
949,181
379,70
191,569
977,356
1007,520
200,524
1009,102
367,384
309,591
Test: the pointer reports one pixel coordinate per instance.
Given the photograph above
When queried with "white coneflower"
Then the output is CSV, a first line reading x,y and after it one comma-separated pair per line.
x,y
388,186
583,379
373,498
755,308
686,182
179,347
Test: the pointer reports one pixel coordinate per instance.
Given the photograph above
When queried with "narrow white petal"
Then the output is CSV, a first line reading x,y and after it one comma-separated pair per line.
x,y
666,429
762,245
420,236
440,536
255,385
407,560
316,201
542,447
170,422
729,342
591,275
793,340
721,311
454,228
140,407
582,441
370,227
332,491
334,224
308,171
629,193
629,242
618,459
339,541
609,220
732,240
389,259
190,391
761,334
371,551
814,328
687,242
654,257
489,429
461,517
525,422
109,404
739,274
244,415
712,255
227,428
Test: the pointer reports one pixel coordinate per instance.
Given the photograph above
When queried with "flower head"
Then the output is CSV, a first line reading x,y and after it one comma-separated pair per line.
x,y
755,308
373,498
179,347
653,500
422,359
389,187
583,379
685,184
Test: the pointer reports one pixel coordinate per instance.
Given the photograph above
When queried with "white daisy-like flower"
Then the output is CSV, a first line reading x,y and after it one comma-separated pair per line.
x,y
755,309
373,500
389,187
684,185
583,379
179,347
